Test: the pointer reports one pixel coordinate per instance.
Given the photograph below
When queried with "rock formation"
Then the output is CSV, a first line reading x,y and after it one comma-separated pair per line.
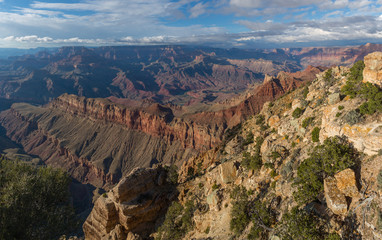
x,y
373,68
131,208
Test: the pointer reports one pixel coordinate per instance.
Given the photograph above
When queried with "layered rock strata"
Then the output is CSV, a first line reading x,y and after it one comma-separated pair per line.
x,y
130,208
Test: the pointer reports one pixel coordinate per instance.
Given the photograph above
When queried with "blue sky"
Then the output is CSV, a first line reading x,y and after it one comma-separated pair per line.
x,y
218,23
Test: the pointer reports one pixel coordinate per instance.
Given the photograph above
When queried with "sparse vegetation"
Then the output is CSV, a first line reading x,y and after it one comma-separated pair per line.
x,y
328,76
172,174
253,162
307,121
340,107
34,202
316,134
356,88
178,221
334,155
305,92
353,117
244,211
297,113
301,225
260,119
354,83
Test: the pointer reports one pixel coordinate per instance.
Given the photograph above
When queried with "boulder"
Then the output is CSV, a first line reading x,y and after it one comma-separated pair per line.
x,y
373,68
134,205
346,183
334,98
228,172
335,200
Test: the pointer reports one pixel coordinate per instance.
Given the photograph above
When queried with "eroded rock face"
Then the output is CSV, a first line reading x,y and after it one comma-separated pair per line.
x,y
373,68
366,137
131,207
346,183
335,200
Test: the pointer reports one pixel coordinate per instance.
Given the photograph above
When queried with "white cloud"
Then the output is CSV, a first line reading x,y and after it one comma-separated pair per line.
x,y
198,10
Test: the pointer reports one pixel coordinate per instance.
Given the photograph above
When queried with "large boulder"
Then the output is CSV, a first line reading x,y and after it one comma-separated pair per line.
x,y
373,68
132,206
346,183
228,171
335,200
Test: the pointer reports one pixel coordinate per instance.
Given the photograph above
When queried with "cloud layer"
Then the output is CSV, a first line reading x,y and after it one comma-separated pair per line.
x,y
214,22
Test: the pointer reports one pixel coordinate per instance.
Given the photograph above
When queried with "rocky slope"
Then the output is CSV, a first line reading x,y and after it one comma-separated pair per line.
x,y
258,184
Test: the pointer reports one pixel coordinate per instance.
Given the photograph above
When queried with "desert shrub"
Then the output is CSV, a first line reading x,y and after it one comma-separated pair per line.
x,y
240,212
293,144
273,173
305,92
334,155
215,186
287,169
300,225
354,83
260,119
353,117
274,155
263,218
307,121
340,107
253,162
269,165
328,76
207,230
172,174
373,95
178,221
297,113
338,114
355,87
248,139
316,134
34,202
243,211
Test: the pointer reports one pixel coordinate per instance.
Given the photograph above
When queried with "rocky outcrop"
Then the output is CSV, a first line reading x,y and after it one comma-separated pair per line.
x,y
373,68
337,188
131,208
365,136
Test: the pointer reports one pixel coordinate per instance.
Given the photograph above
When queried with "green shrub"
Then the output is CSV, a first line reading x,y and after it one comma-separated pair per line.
x,y
328,76
354,83
260,119
334,155
273,173
248,139
300,225
240,213
104,195
355,87
34,202
253,162
172,174
307,121
338,114
340,107
316,134
274,155
178,221
215,186
353,117
297,113
269,165
294,144
373,95
243,211
305,92
207,231
201,185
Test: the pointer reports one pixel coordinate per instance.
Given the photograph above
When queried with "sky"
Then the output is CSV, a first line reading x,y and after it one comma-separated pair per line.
x,y
216,23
